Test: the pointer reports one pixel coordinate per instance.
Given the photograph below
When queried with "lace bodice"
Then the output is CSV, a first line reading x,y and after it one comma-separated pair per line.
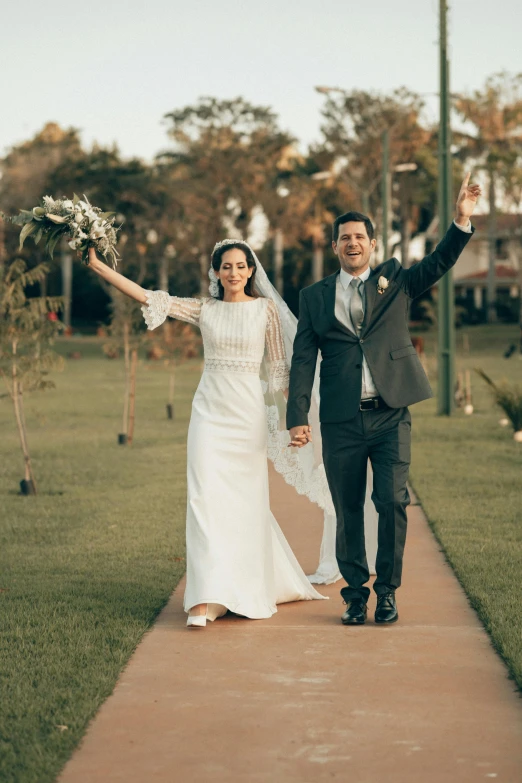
x,y
235,334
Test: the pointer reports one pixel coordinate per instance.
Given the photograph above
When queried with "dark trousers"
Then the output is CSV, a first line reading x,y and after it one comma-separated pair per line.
x,y
384,437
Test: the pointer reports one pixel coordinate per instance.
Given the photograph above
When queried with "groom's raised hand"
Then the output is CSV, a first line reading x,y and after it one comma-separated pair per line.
x,y
300,436
466,201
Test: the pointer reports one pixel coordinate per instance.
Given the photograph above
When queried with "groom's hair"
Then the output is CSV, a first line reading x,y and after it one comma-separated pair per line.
x,y
352,217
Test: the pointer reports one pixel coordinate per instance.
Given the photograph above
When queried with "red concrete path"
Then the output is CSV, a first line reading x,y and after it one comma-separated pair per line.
x,y
302,699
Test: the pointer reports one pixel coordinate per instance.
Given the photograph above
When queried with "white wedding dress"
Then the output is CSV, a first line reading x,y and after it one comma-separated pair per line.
x,y
237,555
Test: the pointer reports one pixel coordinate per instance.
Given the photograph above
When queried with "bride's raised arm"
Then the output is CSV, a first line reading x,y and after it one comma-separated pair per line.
x,y
120,282
156,305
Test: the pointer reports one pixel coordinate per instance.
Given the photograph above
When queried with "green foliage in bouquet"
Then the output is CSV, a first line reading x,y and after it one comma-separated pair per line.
x,y
75,219
508,397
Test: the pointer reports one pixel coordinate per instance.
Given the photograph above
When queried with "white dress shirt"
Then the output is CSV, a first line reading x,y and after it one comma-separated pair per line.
x,y
466,229
343,295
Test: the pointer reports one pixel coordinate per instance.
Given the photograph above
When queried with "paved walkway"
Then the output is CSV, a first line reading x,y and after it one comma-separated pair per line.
x,y
302,699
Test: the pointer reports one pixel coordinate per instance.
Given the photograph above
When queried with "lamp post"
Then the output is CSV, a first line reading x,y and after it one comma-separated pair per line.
x,y
318,238
279,246
67,280
404,213
446,310
168,253
385,192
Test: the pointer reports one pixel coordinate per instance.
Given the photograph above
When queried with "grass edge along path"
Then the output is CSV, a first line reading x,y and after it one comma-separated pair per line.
x,y
467,474
87,565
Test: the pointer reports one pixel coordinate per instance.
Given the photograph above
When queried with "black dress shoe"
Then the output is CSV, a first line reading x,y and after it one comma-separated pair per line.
x,y
355,613
386,611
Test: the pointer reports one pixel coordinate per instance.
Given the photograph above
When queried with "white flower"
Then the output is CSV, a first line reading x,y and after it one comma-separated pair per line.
x,y
81,223
383,283
97,230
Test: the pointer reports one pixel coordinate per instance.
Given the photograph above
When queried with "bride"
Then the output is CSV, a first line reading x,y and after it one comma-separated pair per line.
x,y
237,556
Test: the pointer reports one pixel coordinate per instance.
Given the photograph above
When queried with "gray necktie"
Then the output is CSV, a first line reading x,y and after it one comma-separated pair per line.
x,y
356,304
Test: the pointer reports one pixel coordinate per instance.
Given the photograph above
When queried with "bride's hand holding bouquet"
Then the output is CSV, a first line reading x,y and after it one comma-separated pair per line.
x,y
84,226
87,230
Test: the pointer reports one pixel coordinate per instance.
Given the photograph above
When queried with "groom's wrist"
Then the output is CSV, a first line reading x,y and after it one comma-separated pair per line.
x,y
462,220
291,424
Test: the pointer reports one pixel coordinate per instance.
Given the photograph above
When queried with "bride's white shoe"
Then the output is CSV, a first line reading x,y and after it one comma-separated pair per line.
x,y
196,621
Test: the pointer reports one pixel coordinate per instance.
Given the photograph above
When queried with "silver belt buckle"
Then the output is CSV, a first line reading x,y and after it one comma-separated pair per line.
x,y
364,403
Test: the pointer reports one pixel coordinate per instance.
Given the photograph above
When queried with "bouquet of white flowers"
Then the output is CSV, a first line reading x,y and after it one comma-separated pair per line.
x,y
83,225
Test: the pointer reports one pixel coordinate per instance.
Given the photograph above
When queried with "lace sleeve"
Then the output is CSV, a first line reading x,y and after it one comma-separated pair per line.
x,y
278,369
160,304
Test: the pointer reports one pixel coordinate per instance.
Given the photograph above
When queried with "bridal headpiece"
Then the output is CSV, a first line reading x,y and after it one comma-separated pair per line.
x,y
225,242
213,288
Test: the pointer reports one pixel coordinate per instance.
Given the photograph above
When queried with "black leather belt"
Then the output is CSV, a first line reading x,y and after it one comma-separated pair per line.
x,y
372,404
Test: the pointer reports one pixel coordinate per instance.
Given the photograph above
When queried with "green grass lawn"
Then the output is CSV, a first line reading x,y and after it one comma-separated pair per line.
x,y
467,472
86,565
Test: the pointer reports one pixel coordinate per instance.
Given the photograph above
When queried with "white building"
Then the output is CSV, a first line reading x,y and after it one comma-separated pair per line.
x,y
470,274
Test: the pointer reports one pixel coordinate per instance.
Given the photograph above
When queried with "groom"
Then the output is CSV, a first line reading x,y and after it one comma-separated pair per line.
x,y
370,373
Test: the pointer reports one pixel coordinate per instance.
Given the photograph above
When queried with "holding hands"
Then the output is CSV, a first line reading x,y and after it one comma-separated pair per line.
x,y
300,436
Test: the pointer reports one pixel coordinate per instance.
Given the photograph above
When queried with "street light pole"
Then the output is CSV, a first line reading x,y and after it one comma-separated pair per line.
x,y
279,244
318,238
67,276
491,310
385,192
446,309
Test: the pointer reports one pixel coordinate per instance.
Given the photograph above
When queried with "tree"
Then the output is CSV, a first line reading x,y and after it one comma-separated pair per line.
x,y
225,153
28,167
495,111
26,175
137,193
130,188
354,123
126,334
28,326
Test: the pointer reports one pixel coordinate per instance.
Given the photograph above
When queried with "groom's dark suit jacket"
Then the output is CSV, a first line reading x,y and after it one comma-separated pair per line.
x,y
384,339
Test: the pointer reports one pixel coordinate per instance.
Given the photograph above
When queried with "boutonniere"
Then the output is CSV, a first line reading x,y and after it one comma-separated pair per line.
x,y
382,284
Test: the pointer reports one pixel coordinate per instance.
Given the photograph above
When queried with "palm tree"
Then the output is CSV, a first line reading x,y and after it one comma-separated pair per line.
x,y
496,114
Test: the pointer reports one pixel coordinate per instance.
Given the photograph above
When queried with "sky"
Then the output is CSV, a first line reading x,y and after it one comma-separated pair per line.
x,y
113,69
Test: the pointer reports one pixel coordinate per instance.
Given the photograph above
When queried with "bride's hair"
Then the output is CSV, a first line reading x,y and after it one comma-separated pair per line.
x,y
217,255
